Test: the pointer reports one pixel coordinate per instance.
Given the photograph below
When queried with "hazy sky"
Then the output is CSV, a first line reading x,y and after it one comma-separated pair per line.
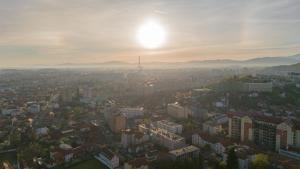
x,y
88,31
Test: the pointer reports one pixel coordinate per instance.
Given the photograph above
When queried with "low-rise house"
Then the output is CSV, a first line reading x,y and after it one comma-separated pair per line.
x,y
108,158
63,153
137,163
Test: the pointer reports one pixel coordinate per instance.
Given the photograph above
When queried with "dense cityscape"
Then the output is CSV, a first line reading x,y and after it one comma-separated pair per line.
x,y
149,84
149,118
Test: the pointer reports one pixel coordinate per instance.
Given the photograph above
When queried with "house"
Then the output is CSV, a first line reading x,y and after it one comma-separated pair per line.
x,y
137,163
108,158
64,153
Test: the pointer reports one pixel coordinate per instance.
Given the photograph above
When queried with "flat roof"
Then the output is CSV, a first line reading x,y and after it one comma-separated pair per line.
x,y
184,150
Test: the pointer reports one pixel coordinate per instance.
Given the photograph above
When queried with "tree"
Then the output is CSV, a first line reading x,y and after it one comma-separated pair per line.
x,y
232,160
260,162
220,165
15,138
199,161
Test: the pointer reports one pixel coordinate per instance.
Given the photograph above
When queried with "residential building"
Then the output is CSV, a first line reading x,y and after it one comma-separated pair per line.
x,y
216,144
33,107
108,158
133,137
291,152
169,140
117,123
170,126
245,155
129,112
269,132
163,137
177,111
185,153
258,87
137,163
211,127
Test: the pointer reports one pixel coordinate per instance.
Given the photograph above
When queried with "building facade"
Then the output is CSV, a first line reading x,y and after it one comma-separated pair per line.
x,y
187,152
268,132
170,126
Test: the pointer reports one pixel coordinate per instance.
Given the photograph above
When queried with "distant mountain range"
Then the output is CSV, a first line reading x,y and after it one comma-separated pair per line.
x,y
282,69
259,62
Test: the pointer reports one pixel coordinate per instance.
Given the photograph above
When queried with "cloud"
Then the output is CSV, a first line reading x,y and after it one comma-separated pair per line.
x,y
36,31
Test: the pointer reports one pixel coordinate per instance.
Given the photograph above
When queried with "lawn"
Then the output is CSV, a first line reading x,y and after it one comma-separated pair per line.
x,y
90,164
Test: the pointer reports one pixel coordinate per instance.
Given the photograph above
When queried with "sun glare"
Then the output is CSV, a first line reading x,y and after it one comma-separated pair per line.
x,y
151,35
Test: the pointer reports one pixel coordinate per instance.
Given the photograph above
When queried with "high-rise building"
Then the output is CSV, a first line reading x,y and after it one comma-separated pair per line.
x,y
269,132
117,123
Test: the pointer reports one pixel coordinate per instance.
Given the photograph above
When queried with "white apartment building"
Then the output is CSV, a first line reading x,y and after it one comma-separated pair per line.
x,y
108,158
170,126
167,139
163,137
132,112
132,138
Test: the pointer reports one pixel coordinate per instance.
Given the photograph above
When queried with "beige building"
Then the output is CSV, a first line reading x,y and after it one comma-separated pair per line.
x,y
117,123
269,132
211,127
177,111
185,153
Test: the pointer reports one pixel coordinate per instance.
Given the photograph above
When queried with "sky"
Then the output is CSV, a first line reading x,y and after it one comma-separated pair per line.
x,y
50,32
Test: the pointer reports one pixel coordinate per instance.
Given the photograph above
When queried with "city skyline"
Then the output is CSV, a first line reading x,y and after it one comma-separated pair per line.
x,y
50,32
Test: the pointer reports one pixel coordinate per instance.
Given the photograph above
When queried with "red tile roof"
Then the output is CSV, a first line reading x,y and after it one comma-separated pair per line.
x,y
138,162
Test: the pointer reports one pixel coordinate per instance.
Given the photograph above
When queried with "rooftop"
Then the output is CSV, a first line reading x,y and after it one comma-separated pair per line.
x,y
184,150
167,122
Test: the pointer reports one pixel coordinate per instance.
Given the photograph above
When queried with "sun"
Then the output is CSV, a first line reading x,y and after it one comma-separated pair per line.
x,y
151,34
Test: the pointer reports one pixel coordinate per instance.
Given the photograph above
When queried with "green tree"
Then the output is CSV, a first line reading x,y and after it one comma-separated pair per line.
x,y
15,138
260,162
220,165
199,161
232,160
